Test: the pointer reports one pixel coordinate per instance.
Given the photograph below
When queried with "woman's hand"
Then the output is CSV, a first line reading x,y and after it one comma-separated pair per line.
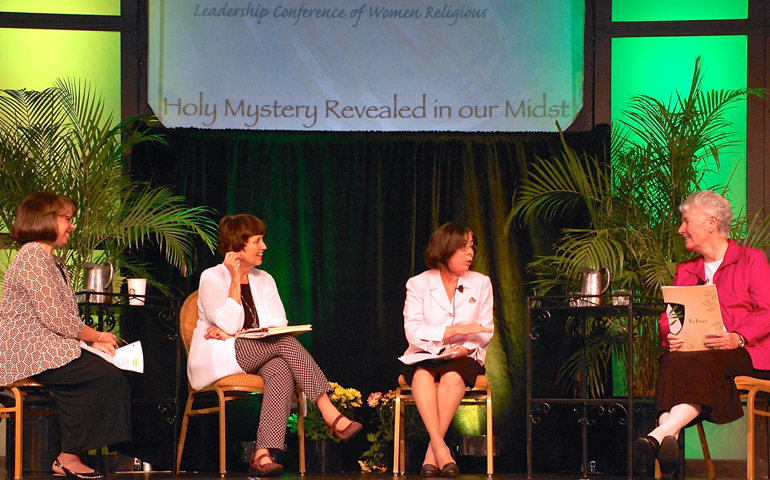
x,y
674,342
105,347
216,333
466,329
722,340
95,337
455,352
108,338
233,264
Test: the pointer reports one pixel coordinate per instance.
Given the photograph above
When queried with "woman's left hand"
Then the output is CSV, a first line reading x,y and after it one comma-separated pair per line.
x,y
722,340
105,347
455,352
217,333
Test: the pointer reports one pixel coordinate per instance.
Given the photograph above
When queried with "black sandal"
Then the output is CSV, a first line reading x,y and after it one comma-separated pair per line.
x,y
95,475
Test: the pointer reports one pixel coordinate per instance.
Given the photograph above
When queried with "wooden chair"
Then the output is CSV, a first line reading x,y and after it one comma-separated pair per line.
x,y
479,394
226,389
18,390
752,386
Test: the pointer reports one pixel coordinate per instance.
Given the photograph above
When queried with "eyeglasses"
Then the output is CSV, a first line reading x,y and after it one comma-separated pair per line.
x,y
70,219
465,248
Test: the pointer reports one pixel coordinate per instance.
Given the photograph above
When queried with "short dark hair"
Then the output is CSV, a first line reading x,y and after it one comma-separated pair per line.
x,y
236,230
444,242
37,217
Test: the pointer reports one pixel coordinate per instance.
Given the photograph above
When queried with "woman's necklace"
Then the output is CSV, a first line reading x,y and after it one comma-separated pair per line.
x,y
252,310
251,319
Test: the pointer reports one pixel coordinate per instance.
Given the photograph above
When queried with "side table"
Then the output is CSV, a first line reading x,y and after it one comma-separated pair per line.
x,y
155,394
547,319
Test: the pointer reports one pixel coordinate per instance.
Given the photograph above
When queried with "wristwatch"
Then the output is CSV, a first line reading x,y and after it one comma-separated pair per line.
x,y
741,340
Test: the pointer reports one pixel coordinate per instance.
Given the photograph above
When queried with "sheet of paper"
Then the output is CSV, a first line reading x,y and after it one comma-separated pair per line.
x,y
129,357
418,357
693,312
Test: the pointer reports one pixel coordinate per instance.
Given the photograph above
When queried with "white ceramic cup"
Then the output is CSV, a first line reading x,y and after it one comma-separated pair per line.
x,y
136,286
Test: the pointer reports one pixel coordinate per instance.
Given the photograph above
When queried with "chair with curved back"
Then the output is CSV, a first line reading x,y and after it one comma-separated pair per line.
x,y
18,390
479,394
752,386
226,389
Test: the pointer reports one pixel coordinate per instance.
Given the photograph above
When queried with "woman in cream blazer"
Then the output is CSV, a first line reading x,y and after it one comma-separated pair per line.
x,y
448,324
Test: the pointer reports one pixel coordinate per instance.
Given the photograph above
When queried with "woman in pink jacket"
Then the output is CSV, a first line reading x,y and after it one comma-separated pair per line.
x,y
697,386
448,324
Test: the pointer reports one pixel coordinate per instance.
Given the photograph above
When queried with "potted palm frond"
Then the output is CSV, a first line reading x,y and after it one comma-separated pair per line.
x,y
659,153
61,139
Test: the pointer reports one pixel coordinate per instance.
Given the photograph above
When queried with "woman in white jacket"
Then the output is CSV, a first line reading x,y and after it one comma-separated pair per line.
x,y
448,324
233,296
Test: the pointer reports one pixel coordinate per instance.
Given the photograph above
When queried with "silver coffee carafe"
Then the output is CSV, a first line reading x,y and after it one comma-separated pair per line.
x,y
98,278
593,286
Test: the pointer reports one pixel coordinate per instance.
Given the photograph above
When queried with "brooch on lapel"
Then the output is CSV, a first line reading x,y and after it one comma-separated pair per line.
x,y
472,300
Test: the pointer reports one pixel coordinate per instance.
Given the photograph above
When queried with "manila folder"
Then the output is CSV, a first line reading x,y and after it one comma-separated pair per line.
x,y
693,312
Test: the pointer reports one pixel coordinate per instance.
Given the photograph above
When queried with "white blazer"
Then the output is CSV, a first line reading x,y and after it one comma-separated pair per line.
x,y
428,311
211,359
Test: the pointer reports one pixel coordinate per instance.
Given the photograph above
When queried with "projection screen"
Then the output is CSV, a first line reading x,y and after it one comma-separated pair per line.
x,y
346,65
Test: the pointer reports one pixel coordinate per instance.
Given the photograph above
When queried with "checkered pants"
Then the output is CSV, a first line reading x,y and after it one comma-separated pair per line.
x,y
281,361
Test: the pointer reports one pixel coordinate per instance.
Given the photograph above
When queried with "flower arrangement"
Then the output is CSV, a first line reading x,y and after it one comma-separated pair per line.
x,y
376,457
345,399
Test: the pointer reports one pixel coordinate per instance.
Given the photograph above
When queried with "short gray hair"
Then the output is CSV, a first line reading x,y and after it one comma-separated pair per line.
x,y
710,203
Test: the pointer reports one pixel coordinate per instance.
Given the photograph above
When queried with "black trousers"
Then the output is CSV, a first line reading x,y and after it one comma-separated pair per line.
x,y
94,401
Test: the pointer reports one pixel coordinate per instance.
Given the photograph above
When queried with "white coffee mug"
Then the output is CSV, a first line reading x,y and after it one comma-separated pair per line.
x,y
136,290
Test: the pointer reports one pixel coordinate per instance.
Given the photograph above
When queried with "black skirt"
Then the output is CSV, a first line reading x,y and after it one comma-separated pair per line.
x,y
467,367
704,378
94,401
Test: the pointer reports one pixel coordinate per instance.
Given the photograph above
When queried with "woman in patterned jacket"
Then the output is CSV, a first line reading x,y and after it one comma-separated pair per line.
x,y
40,334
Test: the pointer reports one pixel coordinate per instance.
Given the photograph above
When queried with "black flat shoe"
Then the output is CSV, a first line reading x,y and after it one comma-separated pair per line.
x,y
450,470
668,456
646,450
429,470
79,476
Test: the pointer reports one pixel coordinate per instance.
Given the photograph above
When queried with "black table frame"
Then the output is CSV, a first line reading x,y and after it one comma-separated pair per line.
x,y
540,311
165,311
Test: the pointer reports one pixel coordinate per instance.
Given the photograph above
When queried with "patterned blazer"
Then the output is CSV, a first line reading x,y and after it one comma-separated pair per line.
x,y
39,319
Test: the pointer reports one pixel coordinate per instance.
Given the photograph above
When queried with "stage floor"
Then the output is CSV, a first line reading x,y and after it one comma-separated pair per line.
x,y
344,476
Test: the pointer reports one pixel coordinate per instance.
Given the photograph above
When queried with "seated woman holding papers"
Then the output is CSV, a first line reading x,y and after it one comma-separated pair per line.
x,y
698,385
41,333
448,324
234,296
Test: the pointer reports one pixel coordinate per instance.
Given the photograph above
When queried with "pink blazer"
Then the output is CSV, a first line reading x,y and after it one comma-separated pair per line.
x,y
743,286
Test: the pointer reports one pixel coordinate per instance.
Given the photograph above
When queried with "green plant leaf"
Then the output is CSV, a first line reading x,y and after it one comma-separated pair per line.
x,y
660,152
62,140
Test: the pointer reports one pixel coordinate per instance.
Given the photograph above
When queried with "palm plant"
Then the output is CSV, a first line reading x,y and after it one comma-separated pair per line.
x,y
659,154
60,139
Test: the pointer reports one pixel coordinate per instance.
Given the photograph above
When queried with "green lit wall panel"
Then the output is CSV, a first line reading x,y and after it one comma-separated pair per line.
x,y
658,66
71,7
671,10
50,54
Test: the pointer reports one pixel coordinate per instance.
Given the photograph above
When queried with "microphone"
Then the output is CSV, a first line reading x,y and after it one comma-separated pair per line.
x,y
460,288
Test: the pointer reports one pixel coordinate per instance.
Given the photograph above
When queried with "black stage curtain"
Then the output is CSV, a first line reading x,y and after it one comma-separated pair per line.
x,y
349,216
